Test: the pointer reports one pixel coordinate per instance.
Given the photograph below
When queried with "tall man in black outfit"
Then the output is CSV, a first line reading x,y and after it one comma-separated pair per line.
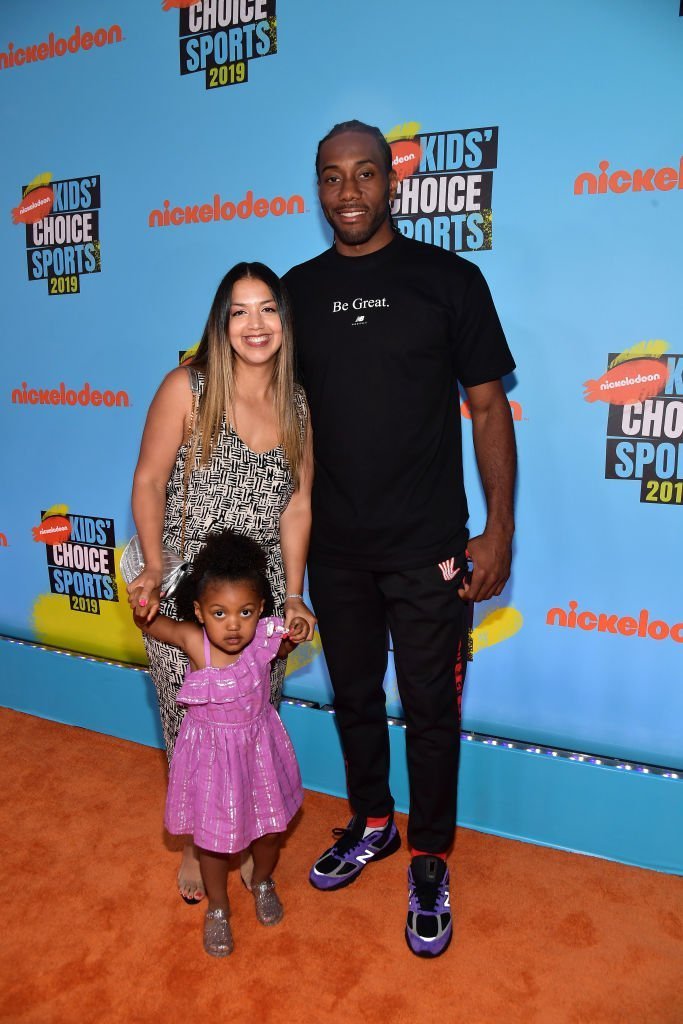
x,y
385,328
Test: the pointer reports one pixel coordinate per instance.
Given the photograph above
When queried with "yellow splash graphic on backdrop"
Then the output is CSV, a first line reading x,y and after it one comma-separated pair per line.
x,y
189,353
498,625
40,179
304,654
55,510
408,130
653,349
111,634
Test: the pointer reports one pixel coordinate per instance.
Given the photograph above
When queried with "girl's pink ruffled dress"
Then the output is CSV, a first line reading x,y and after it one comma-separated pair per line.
x,y
234,775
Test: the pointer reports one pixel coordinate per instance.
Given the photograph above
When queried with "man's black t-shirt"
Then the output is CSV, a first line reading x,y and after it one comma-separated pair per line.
x,y
382,341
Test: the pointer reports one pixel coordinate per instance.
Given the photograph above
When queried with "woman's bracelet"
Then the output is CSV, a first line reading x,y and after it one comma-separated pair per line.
x,y
300,596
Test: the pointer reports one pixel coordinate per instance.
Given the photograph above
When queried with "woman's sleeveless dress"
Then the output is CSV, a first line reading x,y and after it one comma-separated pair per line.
x,y
234,775
240,490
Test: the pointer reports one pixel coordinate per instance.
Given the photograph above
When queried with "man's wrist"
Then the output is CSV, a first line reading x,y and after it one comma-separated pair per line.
x,y
504,530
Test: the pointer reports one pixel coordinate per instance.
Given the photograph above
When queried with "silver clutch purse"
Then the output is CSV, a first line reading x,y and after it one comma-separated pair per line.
x,y
174,568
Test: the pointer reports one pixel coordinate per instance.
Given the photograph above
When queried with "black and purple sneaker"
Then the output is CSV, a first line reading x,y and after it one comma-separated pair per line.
x,y
429,927
343,862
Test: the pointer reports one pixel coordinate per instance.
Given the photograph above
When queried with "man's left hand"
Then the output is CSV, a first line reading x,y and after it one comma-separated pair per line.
x,y
491,555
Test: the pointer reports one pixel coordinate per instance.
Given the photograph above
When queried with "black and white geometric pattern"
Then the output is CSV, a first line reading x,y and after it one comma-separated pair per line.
x,y
241,490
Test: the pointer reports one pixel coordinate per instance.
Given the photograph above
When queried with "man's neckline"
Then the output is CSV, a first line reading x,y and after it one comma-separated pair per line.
x,y
376,254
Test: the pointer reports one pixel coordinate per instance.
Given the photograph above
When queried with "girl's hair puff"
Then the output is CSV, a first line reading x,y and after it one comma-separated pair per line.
x,y
225,556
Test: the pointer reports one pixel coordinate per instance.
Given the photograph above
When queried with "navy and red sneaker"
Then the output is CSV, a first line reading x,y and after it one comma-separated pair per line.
x,y
344,861
429,926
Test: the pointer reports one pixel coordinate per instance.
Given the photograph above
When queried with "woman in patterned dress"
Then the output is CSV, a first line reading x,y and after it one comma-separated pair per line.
x,y
226,444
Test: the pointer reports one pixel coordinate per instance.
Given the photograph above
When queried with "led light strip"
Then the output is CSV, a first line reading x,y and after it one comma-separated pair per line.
x,y
73,654
572,755
470,737
544,751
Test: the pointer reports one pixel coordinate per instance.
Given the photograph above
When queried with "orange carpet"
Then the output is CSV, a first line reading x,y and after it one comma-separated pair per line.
x,y
93,931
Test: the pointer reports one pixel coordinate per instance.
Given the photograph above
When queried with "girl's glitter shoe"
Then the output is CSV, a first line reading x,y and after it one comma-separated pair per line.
x,y
217,934
268,907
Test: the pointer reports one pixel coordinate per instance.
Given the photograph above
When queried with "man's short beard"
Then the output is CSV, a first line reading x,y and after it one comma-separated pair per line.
x,y
350,235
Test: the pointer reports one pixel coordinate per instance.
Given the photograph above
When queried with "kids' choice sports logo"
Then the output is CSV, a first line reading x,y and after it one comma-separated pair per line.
x,y
643,387
62,230
222,37
80,557
445,185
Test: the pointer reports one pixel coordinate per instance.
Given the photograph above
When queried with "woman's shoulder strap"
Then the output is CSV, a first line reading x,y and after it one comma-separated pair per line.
x,y
196,378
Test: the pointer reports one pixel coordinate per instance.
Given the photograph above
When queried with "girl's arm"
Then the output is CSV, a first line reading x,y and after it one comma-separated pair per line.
x,y
167,422
185,635
295,532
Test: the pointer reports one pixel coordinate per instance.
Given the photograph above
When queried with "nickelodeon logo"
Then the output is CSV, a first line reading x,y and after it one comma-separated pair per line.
x,y
219,210
405,157
58,47
663,180
3,541
68,396
52,530
636,374
39,206
624,625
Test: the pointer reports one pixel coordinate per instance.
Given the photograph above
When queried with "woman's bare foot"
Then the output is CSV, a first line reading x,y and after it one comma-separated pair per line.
x,y
190,884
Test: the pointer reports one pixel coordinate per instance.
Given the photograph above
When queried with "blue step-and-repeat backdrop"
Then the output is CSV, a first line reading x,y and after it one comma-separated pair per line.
x,y
149,146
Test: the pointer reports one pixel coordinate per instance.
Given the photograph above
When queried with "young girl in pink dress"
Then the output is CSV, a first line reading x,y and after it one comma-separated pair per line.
x,y
234,781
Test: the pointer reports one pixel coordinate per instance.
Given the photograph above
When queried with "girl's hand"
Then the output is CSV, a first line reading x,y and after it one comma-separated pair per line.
x,y
298,631
295,609
144,595
140,619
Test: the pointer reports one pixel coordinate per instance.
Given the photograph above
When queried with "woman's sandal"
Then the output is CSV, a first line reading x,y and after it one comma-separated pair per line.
x,y
191,901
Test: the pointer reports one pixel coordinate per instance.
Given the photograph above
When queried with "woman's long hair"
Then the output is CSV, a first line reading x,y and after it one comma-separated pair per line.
x,y
216,359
